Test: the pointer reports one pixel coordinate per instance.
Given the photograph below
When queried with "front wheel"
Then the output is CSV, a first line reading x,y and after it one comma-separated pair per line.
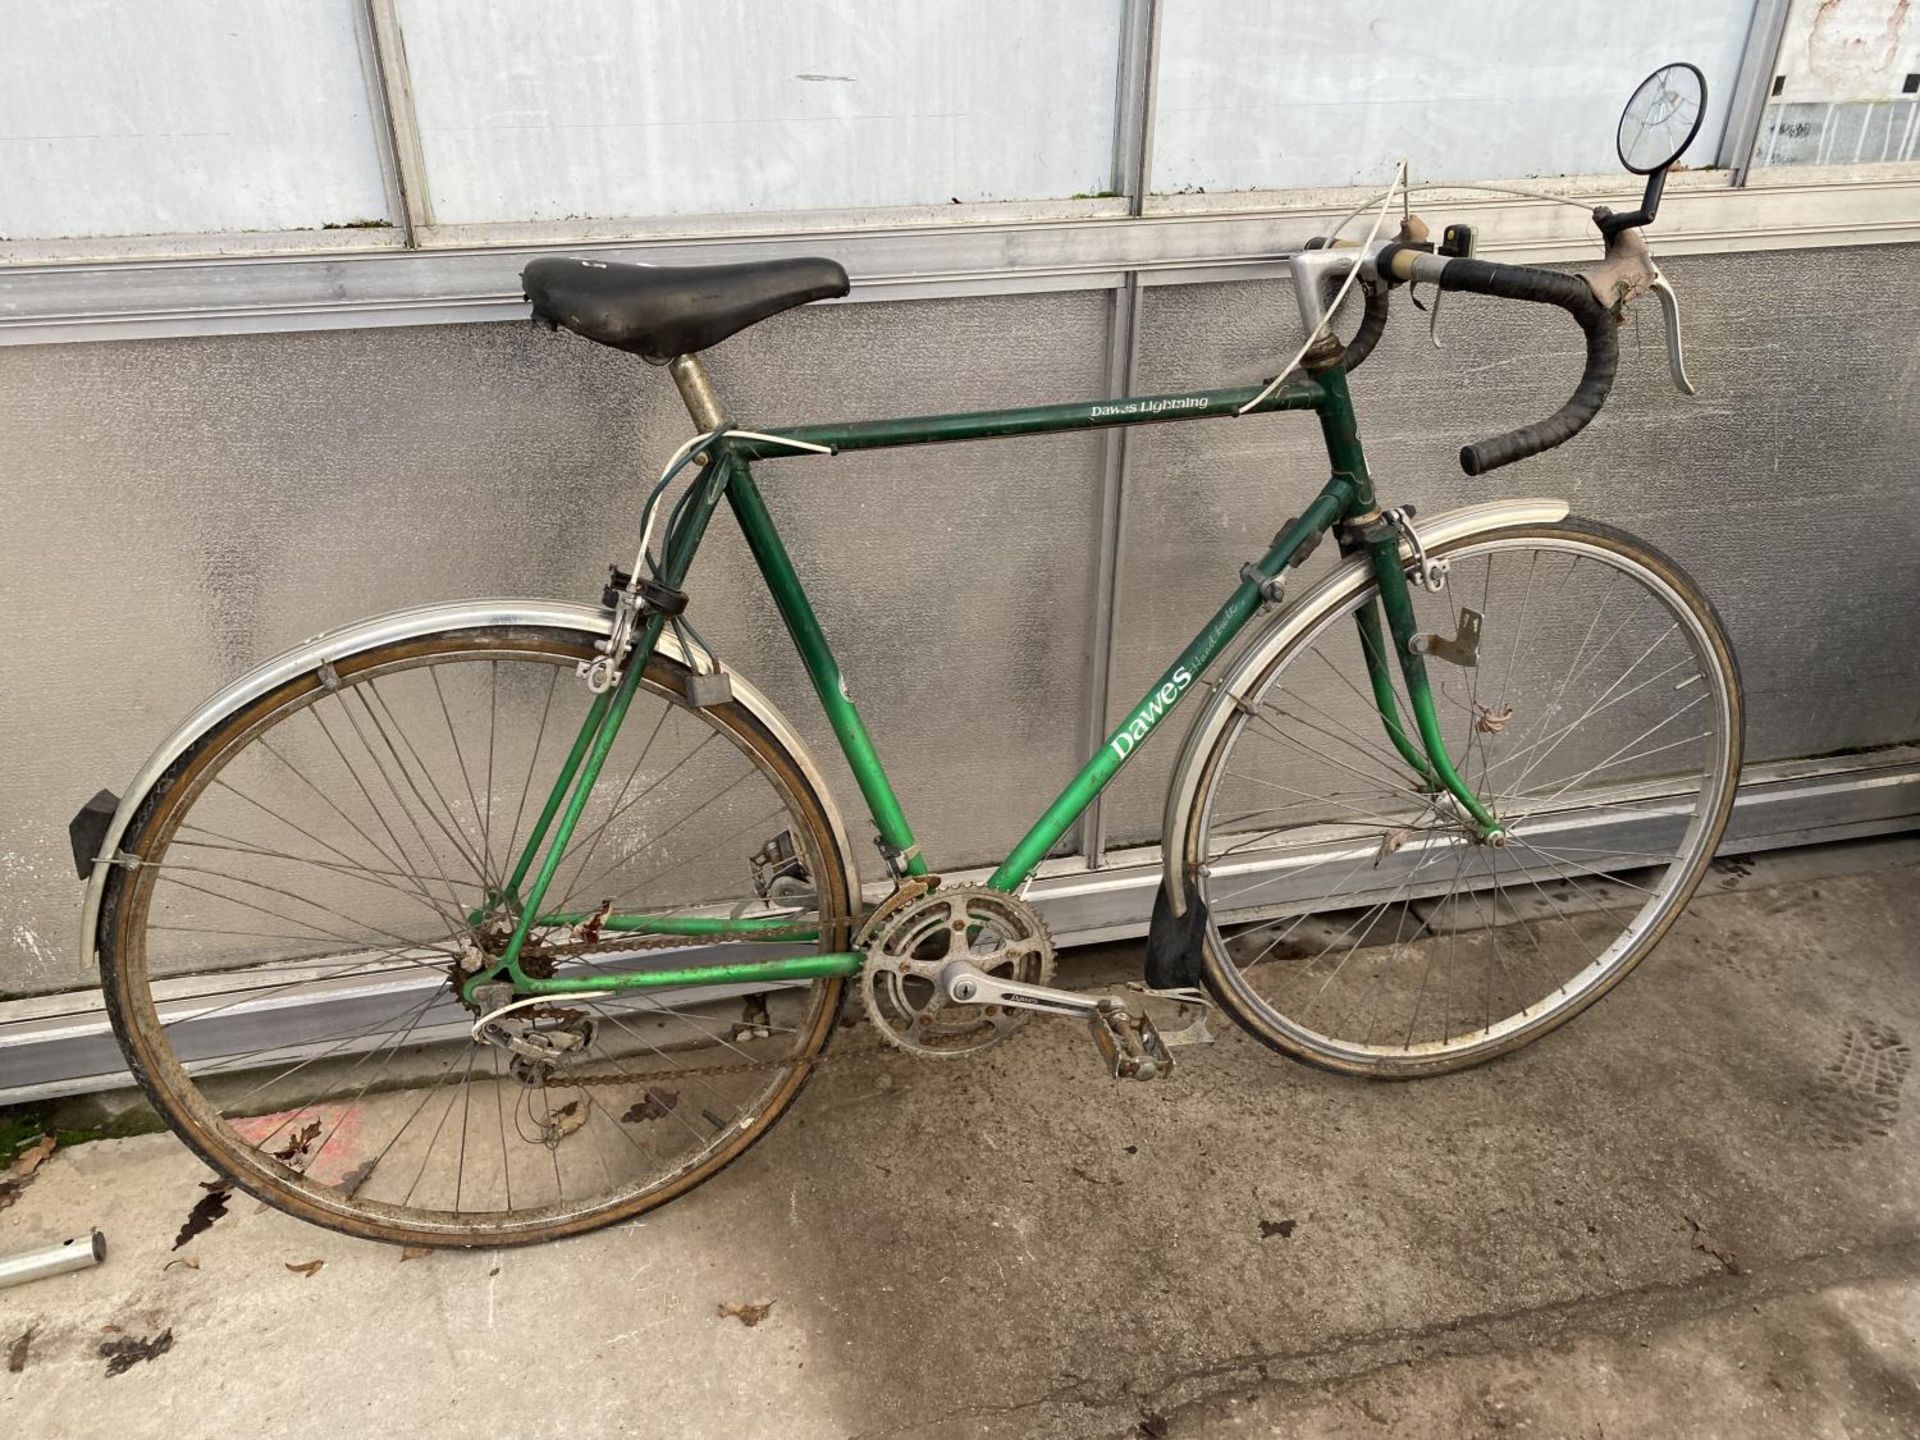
x,y
310,882
1356,917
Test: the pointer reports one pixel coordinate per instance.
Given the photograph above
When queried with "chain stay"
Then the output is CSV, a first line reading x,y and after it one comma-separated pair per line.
x,y
562,1080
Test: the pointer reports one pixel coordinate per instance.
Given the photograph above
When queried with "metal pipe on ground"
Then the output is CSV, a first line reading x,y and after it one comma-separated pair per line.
x,y
82,1252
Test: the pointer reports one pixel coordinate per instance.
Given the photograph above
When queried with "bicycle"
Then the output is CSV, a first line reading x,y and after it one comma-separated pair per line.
x,y
493,922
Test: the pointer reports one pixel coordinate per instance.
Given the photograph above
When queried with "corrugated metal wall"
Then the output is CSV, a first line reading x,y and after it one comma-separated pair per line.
x,y
178,510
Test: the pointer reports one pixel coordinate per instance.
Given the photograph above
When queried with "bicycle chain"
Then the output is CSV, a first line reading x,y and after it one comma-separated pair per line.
x,y
744,1067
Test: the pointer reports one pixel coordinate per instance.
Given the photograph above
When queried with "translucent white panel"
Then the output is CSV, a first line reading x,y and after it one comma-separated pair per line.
x,y
604,109
127,117
1846,90
1287,94
252,490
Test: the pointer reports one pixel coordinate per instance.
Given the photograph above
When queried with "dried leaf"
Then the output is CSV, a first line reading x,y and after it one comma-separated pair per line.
x,y
589,929
1282,1228
654,1105
190,1261
1392,841
415,1252
122,1355
1489,721
748,1315
25,1165
568,1118
17,1352
295,1150
211,1207
1707,1245
351,1182
32,1158
756,1022
309,1269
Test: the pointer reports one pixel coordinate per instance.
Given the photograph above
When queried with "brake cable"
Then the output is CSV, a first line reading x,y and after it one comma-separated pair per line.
x,y
1340,296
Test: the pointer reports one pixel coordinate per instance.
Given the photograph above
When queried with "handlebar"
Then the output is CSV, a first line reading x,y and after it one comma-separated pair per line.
x,y
1397,263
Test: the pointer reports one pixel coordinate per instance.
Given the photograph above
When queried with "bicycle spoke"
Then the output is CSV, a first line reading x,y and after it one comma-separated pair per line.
x,y
593,837
1442,963
360,837
450,915
1351,808
533,758
484,859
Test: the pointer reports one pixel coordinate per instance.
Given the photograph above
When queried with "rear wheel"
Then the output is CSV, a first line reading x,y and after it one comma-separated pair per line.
x,y
281,963
1356,918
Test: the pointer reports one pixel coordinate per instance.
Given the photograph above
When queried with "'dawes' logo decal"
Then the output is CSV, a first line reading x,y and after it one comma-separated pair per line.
x,y
1148,715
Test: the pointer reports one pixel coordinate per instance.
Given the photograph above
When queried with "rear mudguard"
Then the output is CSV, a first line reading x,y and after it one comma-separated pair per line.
x,y
1178,932
590,621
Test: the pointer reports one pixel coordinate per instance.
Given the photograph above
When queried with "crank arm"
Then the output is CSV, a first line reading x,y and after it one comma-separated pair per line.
x,y
1129,1044
963,983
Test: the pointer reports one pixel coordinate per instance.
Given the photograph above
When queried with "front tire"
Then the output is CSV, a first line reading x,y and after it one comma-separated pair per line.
x,y
1355,920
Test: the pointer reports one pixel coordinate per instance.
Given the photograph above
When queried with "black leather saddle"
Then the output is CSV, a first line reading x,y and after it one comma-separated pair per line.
x,y
660,311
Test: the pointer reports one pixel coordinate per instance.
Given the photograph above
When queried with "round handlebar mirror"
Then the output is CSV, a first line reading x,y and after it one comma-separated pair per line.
x,y
1662,118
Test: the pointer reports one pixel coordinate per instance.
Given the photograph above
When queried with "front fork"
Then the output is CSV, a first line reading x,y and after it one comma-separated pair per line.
x,y
1429,761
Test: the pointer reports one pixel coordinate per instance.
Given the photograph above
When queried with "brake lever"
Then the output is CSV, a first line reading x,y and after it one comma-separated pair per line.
x,y
1629,272
1670,313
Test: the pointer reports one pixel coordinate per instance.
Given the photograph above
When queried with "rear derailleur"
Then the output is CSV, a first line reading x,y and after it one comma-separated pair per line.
x,y
539,1037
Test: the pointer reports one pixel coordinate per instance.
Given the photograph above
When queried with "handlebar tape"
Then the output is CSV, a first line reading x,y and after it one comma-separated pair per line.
x,y
1545,287
1373,324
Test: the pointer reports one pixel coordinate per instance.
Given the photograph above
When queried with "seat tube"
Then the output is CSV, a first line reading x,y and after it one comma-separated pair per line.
x,y
902,850
590,755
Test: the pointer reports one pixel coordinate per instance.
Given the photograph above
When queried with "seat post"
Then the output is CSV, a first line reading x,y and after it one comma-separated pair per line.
x,y
696,388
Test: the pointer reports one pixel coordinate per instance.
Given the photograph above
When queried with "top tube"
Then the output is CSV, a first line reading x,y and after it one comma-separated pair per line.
x,y
1038,419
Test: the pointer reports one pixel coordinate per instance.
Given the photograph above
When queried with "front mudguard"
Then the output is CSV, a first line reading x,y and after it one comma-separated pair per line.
x,y
1346,580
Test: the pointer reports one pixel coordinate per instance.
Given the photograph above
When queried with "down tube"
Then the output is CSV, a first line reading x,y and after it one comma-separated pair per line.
x,y
1168,691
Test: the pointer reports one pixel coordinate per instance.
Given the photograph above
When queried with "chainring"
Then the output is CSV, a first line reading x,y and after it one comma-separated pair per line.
x,y
999,933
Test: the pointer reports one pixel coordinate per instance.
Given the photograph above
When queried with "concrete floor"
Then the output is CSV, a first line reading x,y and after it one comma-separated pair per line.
x,y
1694,1212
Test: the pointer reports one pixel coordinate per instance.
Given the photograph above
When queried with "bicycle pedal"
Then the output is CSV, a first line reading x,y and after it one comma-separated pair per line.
x,y
1130,1045
1190,1007
1195,1032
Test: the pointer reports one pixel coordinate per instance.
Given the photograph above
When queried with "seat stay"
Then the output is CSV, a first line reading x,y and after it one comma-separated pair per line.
x,y
603,723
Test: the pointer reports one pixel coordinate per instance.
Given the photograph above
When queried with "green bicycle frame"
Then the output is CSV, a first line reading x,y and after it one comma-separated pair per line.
x,y
1346,500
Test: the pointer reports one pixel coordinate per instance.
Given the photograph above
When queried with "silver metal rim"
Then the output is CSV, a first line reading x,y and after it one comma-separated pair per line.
x,y
267,1173
1677,884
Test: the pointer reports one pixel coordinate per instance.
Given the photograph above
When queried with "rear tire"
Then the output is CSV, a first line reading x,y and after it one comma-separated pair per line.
x,y
273,833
